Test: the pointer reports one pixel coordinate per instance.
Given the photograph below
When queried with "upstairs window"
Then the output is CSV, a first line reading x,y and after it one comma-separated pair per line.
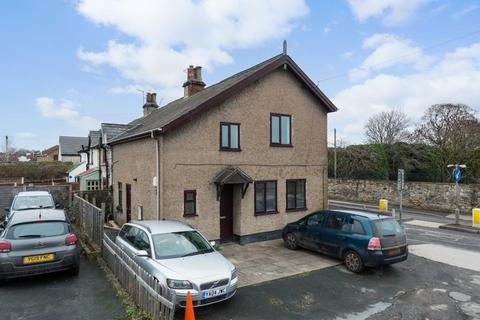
x,y
229,136
296,195
280,130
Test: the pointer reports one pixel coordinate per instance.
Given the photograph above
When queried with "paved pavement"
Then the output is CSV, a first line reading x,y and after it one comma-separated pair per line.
x,y
59,296
418,288
269,260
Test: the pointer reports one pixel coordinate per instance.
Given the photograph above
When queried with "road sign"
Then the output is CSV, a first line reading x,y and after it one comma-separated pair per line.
x,y
401,180
457,174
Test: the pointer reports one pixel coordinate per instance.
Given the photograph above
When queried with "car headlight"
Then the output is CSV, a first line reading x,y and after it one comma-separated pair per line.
x,y
234,273
179,284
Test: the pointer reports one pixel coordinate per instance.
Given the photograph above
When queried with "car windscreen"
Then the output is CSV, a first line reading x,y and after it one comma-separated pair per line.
x,y
386,228
38,230
33,202
179,244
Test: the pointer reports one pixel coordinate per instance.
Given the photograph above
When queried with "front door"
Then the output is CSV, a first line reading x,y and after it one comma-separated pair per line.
x,y
226,213
129,202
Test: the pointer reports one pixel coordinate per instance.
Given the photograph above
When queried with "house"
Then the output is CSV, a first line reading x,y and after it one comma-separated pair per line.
x,y
69,147
50,154
97,158
237,160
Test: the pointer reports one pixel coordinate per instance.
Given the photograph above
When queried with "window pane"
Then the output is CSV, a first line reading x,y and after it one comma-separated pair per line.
x,y
189,196
335,222
271,196
285,130
259,201
291,194
189,208
275,127
225,136
234,136
357,227
300,194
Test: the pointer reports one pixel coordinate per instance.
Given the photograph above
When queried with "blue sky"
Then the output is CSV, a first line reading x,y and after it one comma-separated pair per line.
x,y
66,66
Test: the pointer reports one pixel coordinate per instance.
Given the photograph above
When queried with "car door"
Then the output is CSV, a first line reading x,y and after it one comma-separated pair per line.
x,y
142,243
127,239
334,234
310,235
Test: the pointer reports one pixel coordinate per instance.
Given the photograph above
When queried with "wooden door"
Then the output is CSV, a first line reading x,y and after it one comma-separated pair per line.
x,y
226,213
129,202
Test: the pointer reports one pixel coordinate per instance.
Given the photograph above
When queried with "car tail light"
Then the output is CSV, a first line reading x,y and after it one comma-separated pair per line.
x,y
374,244
71,239
5,246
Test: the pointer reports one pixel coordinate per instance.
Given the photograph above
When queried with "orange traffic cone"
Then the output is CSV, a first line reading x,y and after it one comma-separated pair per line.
x,y
189,314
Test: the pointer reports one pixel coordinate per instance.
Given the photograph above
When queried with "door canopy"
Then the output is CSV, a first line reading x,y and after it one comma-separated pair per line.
x,y
232,176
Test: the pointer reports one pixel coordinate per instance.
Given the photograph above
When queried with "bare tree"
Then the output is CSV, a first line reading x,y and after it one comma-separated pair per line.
x,y
454,131
387,127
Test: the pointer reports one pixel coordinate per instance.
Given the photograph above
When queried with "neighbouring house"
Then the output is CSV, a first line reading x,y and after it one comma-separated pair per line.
x,y
89,179
69,147
50,154
237,160
72,175
97,155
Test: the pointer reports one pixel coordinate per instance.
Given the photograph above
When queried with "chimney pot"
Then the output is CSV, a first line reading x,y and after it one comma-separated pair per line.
x,y
194,81
150,104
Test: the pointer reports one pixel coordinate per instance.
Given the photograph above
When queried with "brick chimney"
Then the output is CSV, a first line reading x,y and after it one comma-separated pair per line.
x,y
151,104
194,81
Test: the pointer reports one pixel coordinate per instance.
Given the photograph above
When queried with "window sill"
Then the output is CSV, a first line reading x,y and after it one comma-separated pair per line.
x,y
281,145
230,150
296,209
190,215
266,213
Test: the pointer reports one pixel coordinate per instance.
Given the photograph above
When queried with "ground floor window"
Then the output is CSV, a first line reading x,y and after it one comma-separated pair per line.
x,y
190,203
265,197
93,184
296,194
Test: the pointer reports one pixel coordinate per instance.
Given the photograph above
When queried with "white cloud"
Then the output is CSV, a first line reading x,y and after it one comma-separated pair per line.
x,y
65,110
392,12
388,51
466,10
454,78
170,35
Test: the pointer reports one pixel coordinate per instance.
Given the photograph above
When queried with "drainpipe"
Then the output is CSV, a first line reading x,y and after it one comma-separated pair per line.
x,y
157,158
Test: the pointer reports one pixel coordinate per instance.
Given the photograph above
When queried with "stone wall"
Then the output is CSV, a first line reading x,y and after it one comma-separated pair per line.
x,y
420,195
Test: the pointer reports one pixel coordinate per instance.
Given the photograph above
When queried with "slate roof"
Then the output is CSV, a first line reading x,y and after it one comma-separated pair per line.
x,y
70,146
184,109
111,130
94,136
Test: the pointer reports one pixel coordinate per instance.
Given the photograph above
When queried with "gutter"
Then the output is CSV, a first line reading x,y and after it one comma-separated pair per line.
x,y
157,168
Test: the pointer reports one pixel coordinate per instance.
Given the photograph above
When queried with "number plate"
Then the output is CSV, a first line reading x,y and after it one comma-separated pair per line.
x,y
213,293
393,252
39,258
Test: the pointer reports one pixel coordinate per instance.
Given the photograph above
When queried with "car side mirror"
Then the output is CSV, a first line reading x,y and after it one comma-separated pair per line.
x,y
142,253
57,205
213,243
7,209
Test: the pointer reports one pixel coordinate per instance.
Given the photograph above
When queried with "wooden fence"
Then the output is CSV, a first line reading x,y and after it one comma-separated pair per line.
x,y
154,298
91,219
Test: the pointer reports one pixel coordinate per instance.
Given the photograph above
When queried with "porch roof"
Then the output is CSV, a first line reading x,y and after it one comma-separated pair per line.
x,y
232,176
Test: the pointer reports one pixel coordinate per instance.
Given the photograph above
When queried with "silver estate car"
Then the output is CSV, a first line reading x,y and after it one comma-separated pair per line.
x,y
27,200
36,242
181,259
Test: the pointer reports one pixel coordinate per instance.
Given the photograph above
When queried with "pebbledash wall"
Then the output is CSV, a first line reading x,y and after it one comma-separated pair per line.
x,y
420,195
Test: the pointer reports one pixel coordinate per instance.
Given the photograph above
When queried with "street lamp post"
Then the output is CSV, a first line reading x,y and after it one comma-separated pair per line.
x,y
457,175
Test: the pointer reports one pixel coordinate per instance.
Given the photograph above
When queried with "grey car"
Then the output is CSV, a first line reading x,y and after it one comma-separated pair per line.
x,y
181,259
36,242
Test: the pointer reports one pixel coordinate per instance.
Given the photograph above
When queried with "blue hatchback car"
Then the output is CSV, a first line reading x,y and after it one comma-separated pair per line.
x,y
360,239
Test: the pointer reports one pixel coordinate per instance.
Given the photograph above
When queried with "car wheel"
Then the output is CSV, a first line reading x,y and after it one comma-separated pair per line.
x,y
74,271
291,241
353,262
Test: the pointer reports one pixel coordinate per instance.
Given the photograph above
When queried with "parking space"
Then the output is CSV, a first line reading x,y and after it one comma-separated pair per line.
x,y
269,260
